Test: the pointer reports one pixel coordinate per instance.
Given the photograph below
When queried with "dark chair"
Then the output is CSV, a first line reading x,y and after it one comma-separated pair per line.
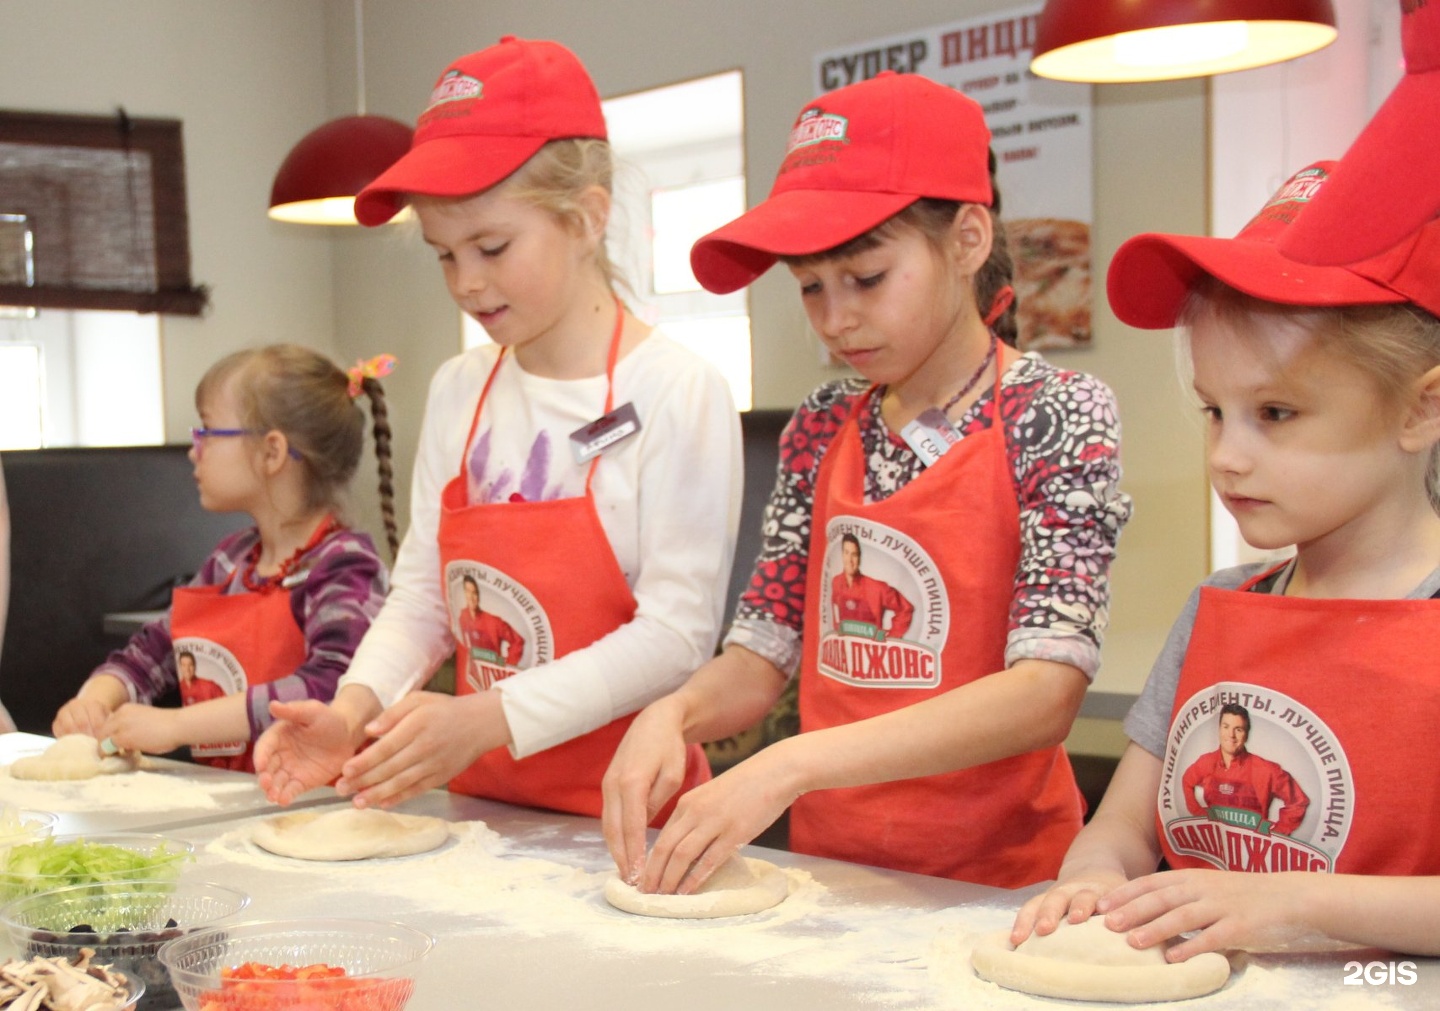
x,y
93,531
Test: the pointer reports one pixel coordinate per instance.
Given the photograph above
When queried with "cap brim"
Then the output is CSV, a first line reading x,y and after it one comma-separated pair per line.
x,y
1151,275
792,223
444,167
1386,186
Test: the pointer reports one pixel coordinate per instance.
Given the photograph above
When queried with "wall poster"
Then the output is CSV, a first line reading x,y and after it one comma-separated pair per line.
x,y
1041,134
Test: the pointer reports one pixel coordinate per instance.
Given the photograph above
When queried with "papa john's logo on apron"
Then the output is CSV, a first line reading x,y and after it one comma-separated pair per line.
x,y
1254,781
496,621
883,607
208,671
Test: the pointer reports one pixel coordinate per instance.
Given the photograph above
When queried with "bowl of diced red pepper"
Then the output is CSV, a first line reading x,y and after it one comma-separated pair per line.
x,y
311,964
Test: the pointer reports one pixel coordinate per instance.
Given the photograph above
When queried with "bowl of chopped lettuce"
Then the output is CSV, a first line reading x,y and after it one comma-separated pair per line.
x,y
62,861
123,923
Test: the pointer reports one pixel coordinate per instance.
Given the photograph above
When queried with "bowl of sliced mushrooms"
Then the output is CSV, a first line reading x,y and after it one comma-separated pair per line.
x,y
66,984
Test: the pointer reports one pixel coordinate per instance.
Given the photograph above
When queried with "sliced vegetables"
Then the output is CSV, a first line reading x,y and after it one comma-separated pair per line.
x,y
47,864
62,984
258,986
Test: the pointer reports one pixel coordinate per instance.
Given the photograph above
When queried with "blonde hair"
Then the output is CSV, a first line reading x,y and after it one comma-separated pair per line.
x,y
1391,345
305,396
932,218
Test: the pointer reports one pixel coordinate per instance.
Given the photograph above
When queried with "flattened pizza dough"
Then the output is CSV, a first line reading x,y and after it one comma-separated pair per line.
x,y
350,834
740,886
1089,961
74,756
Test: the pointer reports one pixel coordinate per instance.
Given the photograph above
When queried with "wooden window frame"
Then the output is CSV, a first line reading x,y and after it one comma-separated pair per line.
x,y
162,140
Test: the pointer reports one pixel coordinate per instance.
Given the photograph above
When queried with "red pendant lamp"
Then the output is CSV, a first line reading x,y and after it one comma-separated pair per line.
x,y
318,180
1120,41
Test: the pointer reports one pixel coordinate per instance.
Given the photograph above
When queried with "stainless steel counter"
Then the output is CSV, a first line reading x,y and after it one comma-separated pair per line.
x,y
516,908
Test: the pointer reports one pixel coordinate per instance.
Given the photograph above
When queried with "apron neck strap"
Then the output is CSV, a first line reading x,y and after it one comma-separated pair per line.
x,y
612,355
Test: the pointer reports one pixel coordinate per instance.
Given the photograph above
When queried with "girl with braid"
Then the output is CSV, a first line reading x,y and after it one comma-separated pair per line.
x,y
982,485
276,611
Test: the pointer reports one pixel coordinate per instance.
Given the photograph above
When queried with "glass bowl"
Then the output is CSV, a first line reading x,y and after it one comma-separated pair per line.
x,y
380,960
128,1000
18,825
61,861
125,923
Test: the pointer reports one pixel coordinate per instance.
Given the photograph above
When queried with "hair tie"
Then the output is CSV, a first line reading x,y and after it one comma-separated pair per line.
x,y
1002,301
376,368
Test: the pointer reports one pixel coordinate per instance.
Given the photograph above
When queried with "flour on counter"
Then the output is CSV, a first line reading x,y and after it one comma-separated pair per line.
x,y
887,956
129,791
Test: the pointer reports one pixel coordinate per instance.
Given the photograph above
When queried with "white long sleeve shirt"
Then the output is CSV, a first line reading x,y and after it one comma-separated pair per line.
x,y
668,499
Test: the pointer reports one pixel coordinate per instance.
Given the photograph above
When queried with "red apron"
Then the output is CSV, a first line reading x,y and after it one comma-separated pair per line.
x,y
949,542
548,570
236,640
1340,696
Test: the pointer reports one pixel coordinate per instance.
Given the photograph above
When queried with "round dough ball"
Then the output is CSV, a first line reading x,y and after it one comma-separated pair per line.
x,y
74,756
349,834
739,886
1089,961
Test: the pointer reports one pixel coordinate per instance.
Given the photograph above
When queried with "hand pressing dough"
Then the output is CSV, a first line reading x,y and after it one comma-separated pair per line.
x,y
1089,961
350,834
74,756
739,886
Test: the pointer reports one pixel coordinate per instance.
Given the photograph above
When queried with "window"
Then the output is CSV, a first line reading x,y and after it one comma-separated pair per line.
x,y
80,379
101,202
680,174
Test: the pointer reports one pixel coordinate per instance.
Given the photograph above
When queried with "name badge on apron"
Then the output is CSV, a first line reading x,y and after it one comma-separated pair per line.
x,y
605,431
930,435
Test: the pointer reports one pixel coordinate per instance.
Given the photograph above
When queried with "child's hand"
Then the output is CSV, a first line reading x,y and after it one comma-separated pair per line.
x,y
1074,900
1231,910
715,819
423,741
134,727
648,767
81,716
304,748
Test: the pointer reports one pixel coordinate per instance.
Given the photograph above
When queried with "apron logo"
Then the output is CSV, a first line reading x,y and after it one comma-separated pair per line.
x,y
208,671
498,625
1254,781
884,607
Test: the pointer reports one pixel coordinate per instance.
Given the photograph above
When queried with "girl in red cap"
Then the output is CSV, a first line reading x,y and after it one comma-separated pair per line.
x,y
580,476
978,485
278,608
1321,390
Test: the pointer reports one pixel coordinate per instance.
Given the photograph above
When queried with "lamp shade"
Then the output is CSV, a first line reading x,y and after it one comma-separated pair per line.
x,y
1118,41
318,180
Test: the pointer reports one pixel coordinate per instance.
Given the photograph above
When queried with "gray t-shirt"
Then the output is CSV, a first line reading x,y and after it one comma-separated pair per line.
x,y
1148,722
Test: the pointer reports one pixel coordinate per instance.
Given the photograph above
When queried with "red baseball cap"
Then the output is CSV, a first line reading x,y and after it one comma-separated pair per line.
x,y
1151,275
1388,183
488,114
856,157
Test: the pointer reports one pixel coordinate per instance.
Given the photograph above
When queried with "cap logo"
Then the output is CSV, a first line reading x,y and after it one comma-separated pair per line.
x,y
1298,191
453,87
814,127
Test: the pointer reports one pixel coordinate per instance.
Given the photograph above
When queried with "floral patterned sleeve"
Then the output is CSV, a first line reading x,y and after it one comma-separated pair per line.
x,y
1064,439
1063,442
769,618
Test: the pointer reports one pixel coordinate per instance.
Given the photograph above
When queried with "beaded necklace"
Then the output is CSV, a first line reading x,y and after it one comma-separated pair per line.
x,y
970,383
263,584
